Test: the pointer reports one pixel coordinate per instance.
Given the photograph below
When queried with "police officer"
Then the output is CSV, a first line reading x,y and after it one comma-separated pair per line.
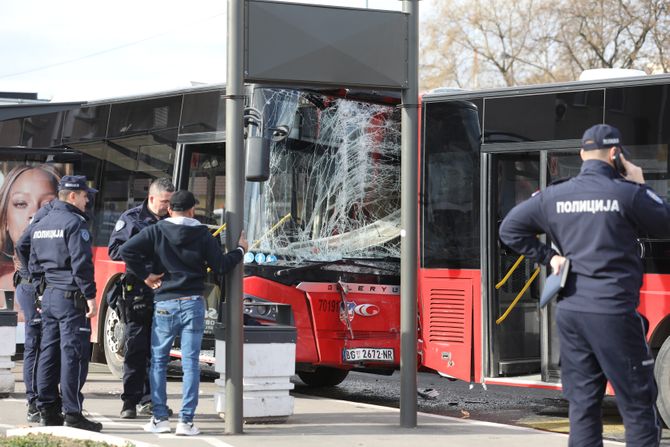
x,y
26,280
136,304
61,247
595,219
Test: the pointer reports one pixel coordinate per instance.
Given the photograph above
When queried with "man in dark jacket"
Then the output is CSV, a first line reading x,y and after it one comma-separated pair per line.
x,y
135,306
61,248
180,250
28,279
595,219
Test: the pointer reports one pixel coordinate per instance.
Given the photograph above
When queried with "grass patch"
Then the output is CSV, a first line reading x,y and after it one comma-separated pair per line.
x,y
42,440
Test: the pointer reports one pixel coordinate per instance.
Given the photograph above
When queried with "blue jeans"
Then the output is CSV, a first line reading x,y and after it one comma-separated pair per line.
x,y
186,318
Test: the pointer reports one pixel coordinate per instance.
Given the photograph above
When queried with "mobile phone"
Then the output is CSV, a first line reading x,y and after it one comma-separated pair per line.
x,y
618,164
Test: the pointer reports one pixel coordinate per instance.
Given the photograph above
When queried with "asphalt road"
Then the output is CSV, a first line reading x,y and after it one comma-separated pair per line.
x,y
529,407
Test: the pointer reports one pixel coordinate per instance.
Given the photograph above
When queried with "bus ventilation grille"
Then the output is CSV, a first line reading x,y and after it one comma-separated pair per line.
x,y
447,315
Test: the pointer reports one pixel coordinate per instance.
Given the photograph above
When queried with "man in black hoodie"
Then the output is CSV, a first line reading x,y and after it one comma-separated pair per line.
x,y
180,249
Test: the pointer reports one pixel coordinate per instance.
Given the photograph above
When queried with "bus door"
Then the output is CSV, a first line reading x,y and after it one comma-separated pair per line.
x,y
514,337
201,169
523,341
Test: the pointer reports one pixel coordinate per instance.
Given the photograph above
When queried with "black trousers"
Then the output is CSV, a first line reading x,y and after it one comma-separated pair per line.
x,y
136,362
596,348
64,352
25,295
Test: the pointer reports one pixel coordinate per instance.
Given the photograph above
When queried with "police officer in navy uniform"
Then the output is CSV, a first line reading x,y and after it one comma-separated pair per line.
x,y
594,220
27,281
136,305
61,247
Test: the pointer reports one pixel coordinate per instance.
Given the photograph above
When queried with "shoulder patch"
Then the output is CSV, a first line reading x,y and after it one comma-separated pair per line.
x,y
653,196
85,235
120,224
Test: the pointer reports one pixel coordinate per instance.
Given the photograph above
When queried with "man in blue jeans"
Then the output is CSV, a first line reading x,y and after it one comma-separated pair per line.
x,y
180,249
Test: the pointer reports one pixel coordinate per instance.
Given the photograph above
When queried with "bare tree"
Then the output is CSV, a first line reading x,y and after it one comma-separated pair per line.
x,y
483,43
607,33
487,43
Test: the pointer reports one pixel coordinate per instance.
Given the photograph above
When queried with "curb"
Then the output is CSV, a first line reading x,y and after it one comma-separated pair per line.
x,y
75,433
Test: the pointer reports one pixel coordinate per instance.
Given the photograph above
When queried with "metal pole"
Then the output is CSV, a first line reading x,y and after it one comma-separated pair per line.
x,y
234,213
408,234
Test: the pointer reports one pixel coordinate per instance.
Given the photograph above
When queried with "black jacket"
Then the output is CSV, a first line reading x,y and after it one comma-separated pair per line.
x,y
595,220
61,247
181,248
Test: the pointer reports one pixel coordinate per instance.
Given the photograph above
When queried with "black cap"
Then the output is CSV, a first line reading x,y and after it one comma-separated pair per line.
x,y
601,136
75,183
183,200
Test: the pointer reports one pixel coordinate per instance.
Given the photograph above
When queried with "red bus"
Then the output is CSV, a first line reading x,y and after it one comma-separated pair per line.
x,y
484,152
324,229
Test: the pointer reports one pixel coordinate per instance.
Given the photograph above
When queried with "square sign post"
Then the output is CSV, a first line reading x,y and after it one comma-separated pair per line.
x,y
321,46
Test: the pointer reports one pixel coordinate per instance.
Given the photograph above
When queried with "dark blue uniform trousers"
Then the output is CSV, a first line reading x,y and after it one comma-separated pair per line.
x,y
66,337
600,347
136,362
25,295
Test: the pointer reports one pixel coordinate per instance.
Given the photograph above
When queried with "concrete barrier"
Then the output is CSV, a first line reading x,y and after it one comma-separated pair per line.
x,y
269,363
8,322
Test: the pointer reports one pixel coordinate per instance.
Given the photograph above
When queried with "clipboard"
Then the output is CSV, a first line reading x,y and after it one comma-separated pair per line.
x,y
554,284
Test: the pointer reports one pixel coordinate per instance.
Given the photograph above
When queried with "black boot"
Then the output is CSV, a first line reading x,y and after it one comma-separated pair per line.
x,y
50,416
33,414
128,411
77,420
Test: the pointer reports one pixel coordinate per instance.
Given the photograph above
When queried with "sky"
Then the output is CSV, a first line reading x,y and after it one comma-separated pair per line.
x,y
76,50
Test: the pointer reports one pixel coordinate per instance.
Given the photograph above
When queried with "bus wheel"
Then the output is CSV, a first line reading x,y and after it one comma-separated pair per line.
x,y
323,376
662,373
114,342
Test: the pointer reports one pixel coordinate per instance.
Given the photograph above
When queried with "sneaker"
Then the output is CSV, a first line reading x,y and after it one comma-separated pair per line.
x,y
186,429
33,414
155,426
77,420
146,409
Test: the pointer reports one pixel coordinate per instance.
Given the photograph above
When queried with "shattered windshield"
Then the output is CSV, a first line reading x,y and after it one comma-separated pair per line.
x,y
334,187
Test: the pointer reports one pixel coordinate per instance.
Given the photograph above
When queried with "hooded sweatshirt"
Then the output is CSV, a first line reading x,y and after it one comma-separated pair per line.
x,y
182,248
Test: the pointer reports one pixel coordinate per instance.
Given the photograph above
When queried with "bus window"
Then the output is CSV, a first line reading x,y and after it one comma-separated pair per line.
x,y
130,166
207,181
450,195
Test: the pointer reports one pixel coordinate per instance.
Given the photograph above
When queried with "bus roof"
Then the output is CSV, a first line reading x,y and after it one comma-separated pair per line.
x,y
546,88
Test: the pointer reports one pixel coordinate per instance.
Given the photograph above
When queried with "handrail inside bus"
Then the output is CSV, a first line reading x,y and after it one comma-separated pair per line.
x,y
509,273
519,295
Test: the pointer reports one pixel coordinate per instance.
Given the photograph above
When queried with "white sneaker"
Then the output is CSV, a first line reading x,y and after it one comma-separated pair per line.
x,y
155,426
186,429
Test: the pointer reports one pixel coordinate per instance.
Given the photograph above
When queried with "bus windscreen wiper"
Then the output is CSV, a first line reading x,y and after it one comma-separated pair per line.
x,y
302,268
343,261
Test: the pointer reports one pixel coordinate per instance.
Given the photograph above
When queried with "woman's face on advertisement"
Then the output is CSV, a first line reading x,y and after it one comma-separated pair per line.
x,y
31,190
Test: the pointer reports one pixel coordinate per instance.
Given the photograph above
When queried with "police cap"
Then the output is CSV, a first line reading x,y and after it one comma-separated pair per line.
x,y
183,200
601,136
75,183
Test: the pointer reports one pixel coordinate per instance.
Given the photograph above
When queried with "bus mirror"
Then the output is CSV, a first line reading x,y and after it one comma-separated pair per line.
x,y
279,133
258,159
64,157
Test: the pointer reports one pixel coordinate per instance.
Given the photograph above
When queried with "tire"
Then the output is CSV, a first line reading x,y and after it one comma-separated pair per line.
x,y
323,376
662,374
114,341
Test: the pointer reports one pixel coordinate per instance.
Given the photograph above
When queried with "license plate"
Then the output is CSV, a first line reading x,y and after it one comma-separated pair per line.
x,y
368,354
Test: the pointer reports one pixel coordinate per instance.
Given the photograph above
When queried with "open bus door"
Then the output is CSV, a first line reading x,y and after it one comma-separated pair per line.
x,y
521,341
